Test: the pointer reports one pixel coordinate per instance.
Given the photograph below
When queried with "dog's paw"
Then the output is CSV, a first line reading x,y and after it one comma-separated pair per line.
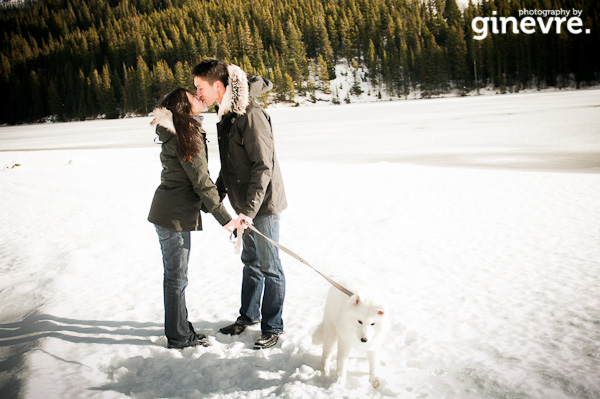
x,y
340,378
374,382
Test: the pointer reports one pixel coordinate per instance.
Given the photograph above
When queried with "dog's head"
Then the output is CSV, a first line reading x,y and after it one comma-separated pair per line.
x,y
369,318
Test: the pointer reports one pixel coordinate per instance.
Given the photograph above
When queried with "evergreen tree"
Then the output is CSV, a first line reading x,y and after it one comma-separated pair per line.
x,y
288,87
323,74
81,111
247,46
144,86
55,101
356,90
53,55
108,95
280,84
457,55
372,62
96,84
452,13
37,106
163,80
182,75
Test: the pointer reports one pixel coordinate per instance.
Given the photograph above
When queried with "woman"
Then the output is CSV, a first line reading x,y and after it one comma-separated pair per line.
x,y
185,189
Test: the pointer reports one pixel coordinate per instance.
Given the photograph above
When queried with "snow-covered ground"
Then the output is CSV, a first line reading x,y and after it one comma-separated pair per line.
x,y
478,218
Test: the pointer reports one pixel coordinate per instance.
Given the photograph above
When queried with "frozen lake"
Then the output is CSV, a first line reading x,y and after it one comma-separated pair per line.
x,y
556,130
477,217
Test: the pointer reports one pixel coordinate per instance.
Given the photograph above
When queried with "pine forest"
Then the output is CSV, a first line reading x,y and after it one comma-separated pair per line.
x,y
82,59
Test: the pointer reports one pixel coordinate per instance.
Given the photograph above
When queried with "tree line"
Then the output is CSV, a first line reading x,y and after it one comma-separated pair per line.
x,y
81,59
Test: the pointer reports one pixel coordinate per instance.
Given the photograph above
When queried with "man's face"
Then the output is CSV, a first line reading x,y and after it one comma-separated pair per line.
x,y
208,93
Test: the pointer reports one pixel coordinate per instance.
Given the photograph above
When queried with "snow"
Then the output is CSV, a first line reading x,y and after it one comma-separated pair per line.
x,y
477,218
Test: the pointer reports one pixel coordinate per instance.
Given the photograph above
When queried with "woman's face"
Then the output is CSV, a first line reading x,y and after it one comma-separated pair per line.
x,y
195,103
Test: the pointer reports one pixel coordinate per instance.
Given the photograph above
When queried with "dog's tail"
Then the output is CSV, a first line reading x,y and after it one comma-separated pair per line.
x,y
317,338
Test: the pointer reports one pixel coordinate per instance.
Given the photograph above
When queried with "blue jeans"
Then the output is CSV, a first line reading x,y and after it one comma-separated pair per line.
x,y
175,246
262,268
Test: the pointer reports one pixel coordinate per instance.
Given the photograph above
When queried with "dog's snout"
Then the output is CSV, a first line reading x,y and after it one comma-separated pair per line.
x,y
363,340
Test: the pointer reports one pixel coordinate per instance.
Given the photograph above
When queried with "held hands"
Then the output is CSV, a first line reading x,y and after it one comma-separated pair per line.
x,y
236,228
230,227
243,220
238,224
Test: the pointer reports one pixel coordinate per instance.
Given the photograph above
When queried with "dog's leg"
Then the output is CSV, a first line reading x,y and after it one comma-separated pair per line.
x,y
329,338
373,366
342,361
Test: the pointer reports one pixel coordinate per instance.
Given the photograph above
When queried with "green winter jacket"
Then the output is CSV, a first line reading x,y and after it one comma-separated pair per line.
x,y
250,173
186,187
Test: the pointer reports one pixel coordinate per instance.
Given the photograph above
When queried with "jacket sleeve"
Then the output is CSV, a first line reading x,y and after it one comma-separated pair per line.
x,y
221,187
259,145
197,172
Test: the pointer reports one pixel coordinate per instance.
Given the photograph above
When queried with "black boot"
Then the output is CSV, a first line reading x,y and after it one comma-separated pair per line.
x,y
266,340
233,329
192,341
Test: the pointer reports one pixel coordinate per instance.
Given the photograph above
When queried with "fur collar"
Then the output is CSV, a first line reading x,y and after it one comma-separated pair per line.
x,y
163,117
236,98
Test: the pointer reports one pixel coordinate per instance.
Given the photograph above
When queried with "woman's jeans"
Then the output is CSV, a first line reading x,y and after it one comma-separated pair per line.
x,y
175,246
262,267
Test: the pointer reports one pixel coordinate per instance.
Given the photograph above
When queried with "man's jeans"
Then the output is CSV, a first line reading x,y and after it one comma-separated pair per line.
x,y
262,266
175,246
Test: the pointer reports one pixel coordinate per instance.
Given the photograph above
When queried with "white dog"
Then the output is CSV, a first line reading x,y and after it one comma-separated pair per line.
x,y
354,322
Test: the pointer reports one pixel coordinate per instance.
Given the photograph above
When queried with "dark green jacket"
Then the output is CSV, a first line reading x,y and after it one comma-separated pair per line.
x,y
250,173
186,187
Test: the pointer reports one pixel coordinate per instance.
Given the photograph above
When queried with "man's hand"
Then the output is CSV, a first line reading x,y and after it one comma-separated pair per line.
x,y
243,219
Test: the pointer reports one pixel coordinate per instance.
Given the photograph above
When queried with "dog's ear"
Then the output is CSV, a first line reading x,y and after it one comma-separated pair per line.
x,y
356,300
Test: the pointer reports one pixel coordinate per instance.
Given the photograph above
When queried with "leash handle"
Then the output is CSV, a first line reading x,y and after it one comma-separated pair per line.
x,y
292,254
238,243
236,238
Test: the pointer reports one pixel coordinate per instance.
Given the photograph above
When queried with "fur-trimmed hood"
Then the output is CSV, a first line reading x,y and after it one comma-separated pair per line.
x,y
240,91
163,117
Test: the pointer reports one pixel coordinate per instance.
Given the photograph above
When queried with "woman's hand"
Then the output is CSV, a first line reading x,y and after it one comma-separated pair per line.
x,y
230,227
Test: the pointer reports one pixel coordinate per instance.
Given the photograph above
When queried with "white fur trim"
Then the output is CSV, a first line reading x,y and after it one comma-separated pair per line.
x,y
236,98
164,118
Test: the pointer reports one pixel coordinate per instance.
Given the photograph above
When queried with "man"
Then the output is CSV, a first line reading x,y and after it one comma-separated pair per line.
x,y
251,177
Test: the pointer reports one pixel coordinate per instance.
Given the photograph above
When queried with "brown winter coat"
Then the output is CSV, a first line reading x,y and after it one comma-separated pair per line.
x,y
250,171
186,187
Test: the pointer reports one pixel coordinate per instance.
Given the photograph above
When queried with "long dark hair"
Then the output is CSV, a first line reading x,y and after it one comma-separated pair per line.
x,y
186,127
